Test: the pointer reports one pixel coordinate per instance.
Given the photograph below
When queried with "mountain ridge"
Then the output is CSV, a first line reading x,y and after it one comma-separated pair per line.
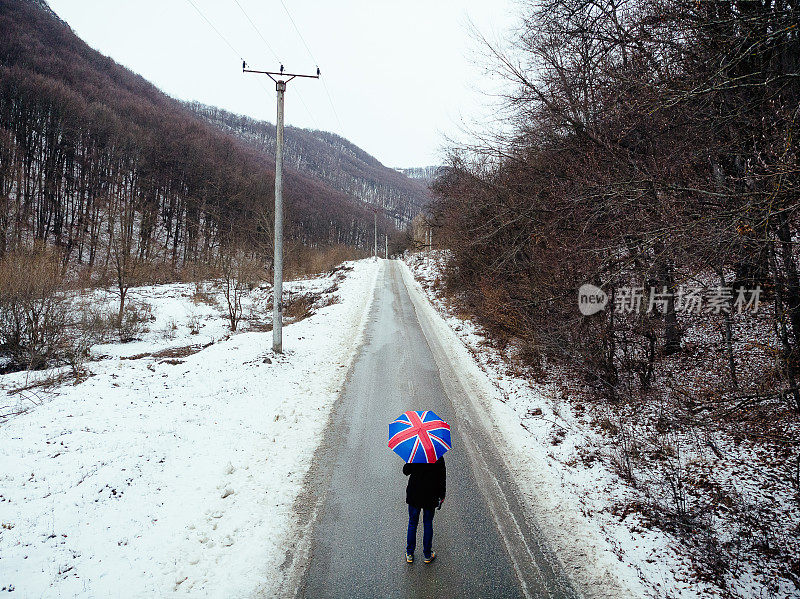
x,y
331,158
84,140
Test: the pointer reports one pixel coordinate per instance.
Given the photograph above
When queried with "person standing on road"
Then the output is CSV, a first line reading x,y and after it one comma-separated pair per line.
x,y
424,493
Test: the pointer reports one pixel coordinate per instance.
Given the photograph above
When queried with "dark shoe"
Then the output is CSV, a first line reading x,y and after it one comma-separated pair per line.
x,y
410,558
431,557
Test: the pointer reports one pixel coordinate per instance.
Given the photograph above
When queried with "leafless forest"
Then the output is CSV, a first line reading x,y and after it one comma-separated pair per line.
x,y
654,148
93,156
330,158
105,180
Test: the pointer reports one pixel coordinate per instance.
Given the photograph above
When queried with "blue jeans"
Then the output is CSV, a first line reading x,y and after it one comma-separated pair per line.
x,y
427,529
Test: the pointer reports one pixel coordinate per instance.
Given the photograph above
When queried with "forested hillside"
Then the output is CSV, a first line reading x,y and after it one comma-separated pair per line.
x,y
424,174
330,158
96,161
655,157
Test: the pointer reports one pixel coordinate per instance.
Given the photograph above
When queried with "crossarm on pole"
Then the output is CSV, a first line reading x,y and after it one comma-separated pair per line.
x,y
270,73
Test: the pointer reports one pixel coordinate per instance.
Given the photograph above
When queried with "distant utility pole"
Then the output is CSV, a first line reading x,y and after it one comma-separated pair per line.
x,y
429,240
375,232
277,284
386,247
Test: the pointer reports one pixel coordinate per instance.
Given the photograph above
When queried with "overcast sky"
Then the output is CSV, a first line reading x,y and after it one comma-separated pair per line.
x,y
401,75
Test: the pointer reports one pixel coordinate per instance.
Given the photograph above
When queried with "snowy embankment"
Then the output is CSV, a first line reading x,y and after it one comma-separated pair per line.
x,y
173,471
569,497
569,458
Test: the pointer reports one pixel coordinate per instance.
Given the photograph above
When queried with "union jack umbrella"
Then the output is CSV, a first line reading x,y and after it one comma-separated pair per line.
x,y
419,437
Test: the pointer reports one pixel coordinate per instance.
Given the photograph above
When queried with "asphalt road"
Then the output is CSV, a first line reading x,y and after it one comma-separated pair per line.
x,y
485,545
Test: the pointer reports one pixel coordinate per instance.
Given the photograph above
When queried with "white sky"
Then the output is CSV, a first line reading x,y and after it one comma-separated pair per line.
x,y
402,74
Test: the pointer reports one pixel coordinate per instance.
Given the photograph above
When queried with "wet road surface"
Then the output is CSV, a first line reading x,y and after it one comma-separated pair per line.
x,y
358,540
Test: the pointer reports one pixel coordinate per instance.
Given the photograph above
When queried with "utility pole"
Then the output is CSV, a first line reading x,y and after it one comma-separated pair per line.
x,y
386,247
375,233
277,267
429,240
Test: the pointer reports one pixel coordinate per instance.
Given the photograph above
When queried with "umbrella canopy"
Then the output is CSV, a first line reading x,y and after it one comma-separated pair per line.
x,y
419,437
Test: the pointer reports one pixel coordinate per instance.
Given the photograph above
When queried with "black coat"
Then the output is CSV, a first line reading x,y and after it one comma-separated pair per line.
x,y
426,484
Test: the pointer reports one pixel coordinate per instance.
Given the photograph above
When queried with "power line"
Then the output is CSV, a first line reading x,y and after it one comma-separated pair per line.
x,y
330,99
311,54
253,25
297,29
210,24
239,54
266,43
299,97
303,102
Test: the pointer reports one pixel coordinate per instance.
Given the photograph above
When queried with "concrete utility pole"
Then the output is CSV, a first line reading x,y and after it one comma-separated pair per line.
x,y
375,233
277,283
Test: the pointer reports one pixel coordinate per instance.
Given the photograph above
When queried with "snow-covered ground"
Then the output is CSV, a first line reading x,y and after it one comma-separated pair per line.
x,y
172,468
565,463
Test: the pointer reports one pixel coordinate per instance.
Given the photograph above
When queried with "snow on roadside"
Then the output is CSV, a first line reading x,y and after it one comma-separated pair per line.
x,y
156,477
568,492
571,463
